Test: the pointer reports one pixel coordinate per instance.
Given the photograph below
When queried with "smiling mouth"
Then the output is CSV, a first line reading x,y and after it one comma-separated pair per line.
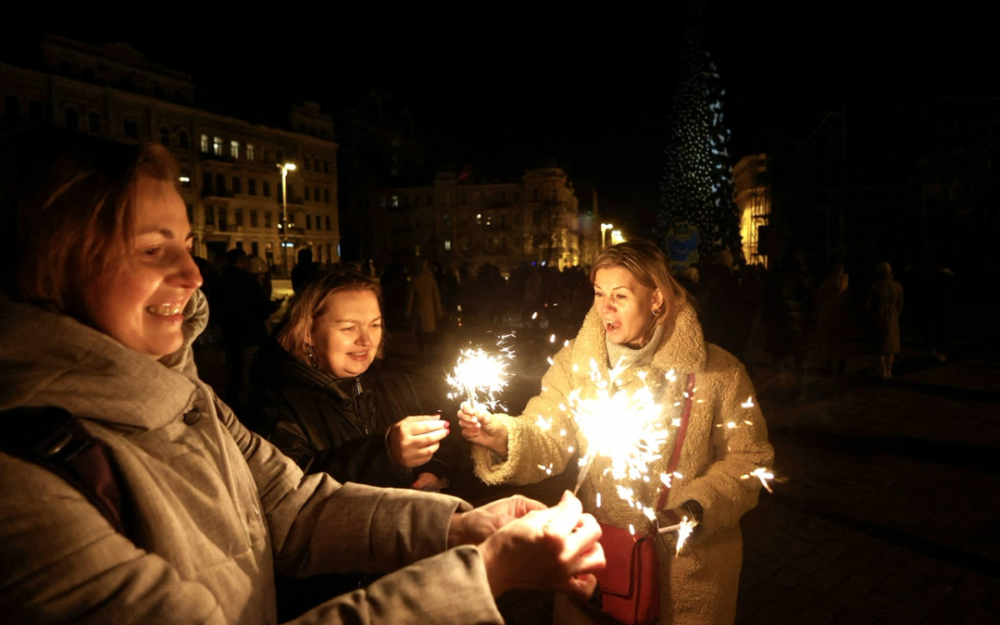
x,y
165,310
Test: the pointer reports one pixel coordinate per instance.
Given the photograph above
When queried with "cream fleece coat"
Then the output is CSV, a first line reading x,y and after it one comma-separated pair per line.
x,y
214,507
698,586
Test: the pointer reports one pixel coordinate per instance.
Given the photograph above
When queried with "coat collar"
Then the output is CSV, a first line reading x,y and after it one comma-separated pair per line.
x,y
682,347
47,359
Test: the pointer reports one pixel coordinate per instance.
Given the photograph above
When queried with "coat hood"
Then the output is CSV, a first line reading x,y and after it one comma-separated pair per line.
x,y
48,359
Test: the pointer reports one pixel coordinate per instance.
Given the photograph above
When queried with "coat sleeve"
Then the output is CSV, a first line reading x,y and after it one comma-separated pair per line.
x,y
738,444
318,526
535,451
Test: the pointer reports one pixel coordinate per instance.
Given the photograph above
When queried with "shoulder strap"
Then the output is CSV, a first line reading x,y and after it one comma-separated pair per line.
x,y
679,439
53,438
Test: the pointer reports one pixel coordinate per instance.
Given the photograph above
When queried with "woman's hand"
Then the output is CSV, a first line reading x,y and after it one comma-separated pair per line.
x,y
429,481
553,549
414,440
482,428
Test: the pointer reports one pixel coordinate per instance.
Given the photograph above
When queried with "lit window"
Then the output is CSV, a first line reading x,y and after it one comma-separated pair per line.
x,y
217,146
234,149
204,143
395,201
249,151
447,245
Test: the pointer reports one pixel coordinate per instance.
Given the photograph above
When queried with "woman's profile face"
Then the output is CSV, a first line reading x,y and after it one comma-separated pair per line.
x,y
346,333
140,303
625,306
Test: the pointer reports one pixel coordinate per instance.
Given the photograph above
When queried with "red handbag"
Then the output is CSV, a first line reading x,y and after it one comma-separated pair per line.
x,y
628,589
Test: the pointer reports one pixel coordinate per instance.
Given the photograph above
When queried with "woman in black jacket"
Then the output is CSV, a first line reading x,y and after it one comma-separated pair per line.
x,y
328,403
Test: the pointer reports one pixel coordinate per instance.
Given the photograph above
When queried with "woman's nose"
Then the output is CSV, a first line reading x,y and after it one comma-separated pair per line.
x,y
187,274
364,337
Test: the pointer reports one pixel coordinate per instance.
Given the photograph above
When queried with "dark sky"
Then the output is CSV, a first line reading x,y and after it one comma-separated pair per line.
x,y
592,91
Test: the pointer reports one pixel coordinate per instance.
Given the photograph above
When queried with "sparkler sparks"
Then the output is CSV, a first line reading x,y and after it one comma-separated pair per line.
x,y
480,372
748,403
761,474
626,428
687,526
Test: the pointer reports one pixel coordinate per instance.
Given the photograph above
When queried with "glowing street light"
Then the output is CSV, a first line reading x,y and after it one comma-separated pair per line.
x,y
616,237
604,230
285,168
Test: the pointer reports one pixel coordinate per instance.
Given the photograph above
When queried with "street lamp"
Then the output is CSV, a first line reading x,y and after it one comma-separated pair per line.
x,y
604,230
285,168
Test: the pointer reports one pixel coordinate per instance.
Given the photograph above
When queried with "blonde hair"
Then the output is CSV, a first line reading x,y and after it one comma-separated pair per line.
x,y
308,304
648,265
68,207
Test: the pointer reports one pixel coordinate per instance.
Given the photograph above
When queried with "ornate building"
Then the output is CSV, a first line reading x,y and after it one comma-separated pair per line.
x,y
460,220
230,178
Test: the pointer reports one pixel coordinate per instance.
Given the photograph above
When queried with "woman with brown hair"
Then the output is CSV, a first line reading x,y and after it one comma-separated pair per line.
x,y
642,324
191,513
327,400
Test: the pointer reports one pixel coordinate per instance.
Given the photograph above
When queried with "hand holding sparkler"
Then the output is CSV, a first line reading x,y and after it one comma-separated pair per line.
x,y
413,441
555,549
482,428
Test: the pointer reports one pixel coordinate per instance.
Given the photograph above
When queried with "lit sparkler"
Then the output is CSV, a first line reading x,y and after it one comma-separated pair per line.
x,y
480,372
626,428
761,474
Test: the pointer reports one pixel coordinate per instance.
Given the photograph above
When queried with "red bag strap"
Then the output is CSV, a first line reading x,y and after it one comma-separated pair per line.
x,y
679,439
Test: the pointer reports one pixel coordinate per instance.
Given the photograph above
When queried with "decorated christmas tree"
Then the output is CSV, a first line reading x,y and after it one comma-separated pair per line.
x,y
697,210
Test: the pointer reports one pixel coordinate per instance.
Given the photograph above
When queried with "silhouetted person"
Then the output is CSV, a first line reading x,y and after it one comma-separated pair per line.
x,y
241,309
304,269
885,303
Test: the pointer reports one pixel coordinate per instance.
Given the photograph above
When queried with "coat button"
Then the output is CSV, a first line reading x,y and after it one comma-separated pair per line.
x,y
192,417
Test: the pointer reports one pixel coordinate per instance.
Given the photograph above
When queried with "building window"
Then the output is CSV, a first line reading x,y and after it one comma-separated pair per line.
x,y
234,149
252,186
253,218
94,123
165,136
182,140
249,151
534,195
267,219
254,248
309,222
204,143
447,245
305,162
209,215
206,183
220,184
328,223
237,184
238,217
395,201
326,166
217,146
223,226
305,191
316,164
131,128
326,195
267,188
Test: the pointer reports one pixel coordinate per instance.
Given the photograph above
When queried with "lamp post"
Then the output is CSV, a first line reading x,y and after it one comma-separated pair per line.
x,y
285,168
604,230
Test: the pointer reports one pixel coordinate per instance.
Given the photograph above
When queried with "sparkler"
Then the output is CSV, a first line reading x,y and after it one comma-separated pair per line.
x,y
480,372
626,428
761,474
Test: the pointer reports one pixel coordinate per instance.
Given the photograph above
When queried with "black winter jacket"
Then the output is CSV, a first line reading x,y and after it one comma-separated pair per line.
x,y
338,426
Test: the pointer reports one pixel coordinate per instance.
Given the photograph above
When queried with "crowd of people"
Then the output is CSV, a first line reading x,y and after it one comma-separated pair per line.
x,y
132,492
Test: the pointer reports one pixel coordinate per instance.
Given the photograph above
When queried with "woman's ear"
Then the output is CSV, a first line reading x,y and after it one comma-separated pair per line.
x,y
658,301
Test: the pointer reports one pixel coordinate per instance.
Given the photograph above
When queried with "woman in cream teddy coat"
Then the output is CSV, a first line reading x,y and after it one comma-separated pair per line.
x,y
641,323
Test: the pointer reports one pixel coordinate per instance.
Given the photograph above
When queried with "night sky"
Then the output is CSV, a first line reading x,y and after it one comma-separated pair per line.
x,y
502,90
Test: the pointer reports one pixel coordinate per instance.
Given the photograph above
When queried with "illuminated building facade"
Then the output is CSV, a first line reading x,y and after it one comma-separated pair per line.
x,y
461,220
229,178
752,195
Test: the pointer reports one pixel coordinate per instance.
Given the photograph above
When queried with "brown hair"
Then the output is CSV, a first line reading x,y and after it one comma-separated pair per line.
x,y
648,265
309,303
67,205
